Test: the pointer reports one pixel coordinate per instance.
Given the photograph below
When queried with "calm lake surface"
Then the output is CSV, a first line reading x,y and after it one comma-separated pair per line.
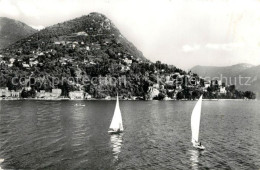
x,y
60,135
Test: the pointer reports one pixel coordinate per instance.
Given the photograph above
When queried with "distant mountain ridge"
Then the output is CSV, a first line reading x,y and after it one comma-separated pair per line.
x,y
12,31
250,75
215,71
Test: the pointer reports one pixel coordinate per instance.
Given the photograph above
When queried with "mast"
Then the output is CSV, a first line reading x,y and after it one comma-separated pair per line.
x,y
195,121
117,122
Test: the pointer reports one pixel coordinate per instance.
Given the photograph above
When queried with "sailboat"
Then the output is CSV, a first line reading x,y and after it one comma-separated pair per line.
x,y
1,160
116,125
195,125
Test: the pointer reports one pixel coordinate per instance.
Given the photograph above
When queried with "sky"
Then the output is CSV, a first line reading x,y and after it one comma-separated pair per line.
x,y
184,33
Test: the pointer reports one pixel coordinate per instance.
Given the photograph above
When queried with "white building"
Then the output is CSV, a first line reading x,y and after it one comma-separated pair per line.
x,y
216,82
127,61
88,96
56,93
222,90
14,94
125,68
76,95
4,92
41,94
12,60
26,65
206,84
153,92
27,88
156,86
33,63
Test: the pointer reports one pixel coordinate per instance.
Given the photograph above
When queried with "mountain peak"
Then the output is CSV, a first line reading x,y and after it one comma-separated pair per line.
x,y
94,29
245,65
96,14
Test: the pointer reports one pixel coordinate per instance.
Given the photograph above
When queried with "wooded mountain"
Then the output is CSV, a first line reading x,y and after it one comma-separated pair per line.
x,y
12,31
88,46
90,54
94,29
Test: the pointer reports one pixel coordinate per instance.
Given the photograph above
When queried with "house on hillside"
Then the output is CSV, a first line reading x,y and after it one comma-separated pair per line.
x,y
127,61
11,60
206,85
222,90
95,47
26,65
124,68
216,82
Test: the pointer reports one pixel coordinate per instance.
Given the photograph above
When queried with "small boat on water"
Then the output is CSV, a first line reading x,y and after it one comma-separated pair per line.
x,y
80,105
116,125
195,125
1,160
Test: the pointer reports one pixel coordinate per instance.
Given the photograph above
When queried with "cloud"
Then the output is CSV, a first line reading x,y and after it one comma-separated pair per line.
x,y
7,8
28,9
212,46
37,27
190,48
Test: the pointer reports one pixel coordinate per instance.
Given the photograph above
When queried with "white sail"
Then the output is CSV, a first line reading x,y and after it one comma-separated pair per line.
x,y
195,121
117,122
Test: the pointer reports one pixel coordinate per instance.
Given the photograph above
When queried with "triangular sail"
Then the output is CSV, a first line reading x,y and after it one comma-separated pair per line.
x,y
195,121
117,122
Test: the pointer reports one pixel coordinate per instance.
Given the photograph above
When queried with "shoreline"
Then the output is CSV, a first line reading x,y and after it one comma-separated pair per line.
x,y
113,99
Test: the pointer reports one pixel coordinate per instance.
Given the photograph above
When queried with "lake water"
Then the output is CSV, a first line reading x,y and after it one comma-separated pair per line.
x,y
60,135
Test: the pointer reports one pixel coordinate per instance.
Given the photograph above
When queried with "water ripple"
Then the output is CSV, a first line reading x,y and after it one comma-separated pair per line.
x,y
61,135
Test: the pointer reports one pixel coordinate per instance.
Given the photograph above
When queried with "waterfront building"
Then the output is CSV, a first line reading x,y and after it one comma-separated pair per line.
x,y
152,92
88,96
56,93
4,92
15,94
76,95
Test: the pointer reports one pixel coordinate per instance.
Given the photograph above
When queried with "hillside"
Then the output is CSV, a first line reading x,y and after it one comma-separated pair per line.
x,y
250,75
94,29
253,75
12,31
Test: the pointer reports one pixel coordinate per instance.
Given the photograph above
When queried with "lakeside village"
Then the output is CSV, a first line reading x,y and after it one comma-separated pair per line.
x,y
154,93
64,58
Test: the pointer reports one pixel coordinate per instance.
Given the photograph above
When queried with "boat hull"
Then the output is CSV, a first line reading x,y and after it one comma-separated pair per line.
x,y
112,132
199,147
